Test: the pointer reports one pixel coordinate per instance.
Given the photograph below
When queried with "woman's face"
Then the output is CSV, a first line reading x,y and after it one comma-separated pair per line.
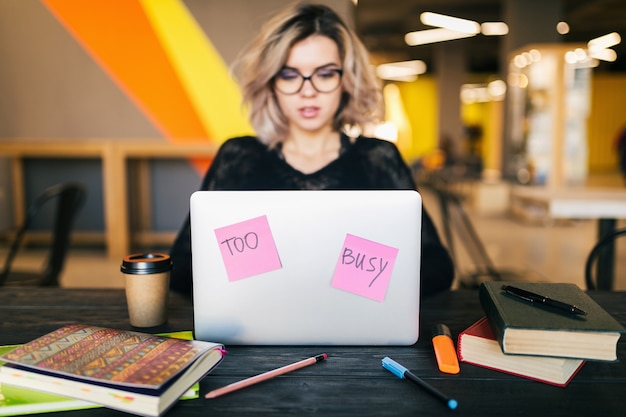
x,y
308,110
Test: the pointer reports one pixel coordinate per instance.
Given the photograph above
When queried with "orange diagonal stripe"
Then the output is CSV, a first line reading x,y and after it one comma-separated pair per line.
x,y
117,34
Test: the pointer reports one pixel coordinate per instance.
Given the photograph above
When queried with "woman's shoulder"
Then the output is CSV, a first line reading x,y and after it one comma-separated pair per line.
x,y
234,163
382,163
372,145
242,143
241,147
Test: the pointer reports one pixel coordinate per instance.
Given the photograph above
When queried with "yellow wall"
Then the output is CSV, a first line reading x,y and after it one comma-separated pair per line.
x,y
420,104
607,117
489,116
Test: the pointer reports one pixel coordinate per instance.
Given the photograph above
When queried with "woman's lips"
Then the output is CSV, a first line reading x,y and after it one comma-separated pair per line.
x,y
309,111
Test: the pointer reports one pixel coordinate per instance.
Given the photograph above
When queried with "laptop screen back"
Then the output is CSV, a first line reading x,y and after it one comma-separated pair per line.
x,y
306,267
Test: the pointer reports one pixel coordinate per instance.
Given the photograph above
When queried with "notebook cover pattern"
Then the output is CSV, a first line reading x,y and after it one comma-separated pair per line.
x,y
116,356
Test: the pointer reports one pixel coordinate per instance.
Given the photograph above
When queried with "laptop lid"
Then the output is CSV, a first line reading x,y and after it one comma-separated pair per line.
x,y
306,267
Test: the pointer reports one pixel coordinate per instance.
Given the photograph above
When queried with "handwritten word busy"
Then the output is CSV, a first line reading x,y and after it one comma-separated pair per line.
x,y
363,262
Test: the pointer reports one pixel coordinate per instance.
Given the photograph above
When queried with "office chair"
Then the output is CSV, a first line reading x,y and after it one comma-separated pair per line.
x,y
595,252
70,198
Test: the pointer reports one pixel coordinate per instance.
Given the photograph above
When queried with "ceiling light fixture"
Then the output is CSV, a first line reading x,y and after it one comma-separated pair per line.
x,y
605,54
562,28
449,22
599,47
496,89
482,93
401,71
422,37
450,28
494,28
605,41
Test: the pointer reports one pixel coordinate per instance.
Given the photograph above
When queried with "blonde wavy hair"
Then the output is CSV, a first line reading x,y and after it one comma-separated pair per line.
x,y
266,55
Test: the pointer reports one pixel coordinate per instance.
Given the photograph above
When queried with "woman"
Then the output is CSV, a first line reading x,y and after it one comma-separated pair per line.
x,y
305,78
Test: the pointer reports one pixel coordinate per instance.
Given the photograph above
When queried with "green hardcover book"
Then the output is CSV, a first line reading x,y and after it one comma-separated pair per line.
x,y
17,401
531,328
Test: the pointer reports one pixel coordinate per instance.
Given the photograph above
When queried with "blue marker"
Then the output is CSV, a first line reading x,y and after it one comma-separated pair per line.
x,y
402,373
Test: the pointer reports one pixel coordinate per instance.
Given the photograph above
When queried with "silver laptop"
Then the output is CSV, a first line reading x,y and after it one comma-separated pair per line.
x,y
306,267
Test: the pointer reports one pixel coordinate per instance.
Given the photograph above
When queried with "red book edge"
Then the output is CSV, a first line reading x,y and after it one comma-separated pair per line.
x,y
482,329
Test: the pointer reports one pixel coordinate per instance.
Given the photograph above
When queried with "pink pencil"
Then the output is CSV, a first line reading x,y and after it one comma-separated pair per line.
x,y
265,376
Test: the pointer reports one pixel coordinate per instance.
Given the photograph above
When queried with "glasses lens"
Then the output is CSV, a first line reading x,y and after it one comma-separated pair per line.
x,y
326,80
289,81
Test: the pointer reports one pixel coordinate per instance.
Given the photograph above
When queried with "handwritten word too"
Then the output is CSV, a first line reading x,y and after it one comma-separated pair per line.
x,y
240,244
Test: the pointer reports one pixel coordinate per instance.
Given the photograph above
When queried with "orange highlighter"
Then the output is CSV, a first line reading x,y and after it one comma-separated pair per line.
x,y
444,350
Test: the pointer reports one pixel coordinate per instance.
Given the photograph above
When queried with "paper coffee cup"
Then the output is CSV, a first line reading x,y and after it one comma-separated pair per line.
x,y
147,281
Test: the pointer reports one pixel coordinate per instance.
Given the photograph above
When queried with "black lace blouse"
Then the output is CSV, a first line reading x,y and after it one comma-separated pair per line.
x,y
245,163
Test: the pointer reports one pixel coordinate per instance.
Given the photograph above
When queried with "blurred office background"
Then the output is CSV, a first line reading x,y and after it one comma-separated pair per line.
x,y
519,99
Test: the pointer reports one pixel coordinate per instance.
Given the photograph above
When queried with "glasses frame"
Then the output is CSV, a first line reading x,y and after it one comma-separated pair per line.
x,y
309,78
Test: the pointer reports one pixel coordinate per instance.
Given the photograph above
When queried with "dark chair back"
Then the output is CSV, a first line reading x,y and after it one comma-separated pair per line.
x,y
606,243
70,198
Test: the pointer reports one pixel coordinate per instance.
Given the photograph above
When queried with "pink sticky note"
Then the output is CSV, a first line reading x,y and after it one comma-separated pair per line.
x,y
248,248
364,267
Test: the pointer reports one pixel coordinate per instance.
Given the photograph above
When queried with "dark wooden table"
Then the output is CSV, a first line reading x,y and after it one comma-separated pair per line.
x,y
352,381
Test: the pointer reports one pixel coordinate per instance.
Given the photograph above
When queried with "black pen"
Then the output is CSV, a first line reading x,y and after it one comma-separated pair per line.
x,y
542,300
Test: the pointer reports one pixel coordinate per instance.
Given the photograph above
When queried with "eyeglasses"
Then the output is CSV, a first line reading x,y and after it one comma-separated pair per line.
x,y
323,80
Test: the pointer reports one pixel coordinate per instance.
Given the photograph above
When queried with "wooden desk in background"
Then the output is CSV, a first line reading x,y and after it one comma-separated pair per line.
x,y
605,205
114,154
352,381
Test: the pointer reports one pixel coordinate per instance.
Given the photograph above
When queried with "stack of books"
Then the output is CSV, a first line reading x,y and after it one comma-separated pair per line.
x,y
531,339
80,366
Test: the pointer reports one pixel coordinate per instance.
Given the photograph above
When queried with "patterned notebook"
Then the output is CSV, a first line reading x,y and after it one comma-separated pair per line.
x,y
15,401
100,354
129,371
